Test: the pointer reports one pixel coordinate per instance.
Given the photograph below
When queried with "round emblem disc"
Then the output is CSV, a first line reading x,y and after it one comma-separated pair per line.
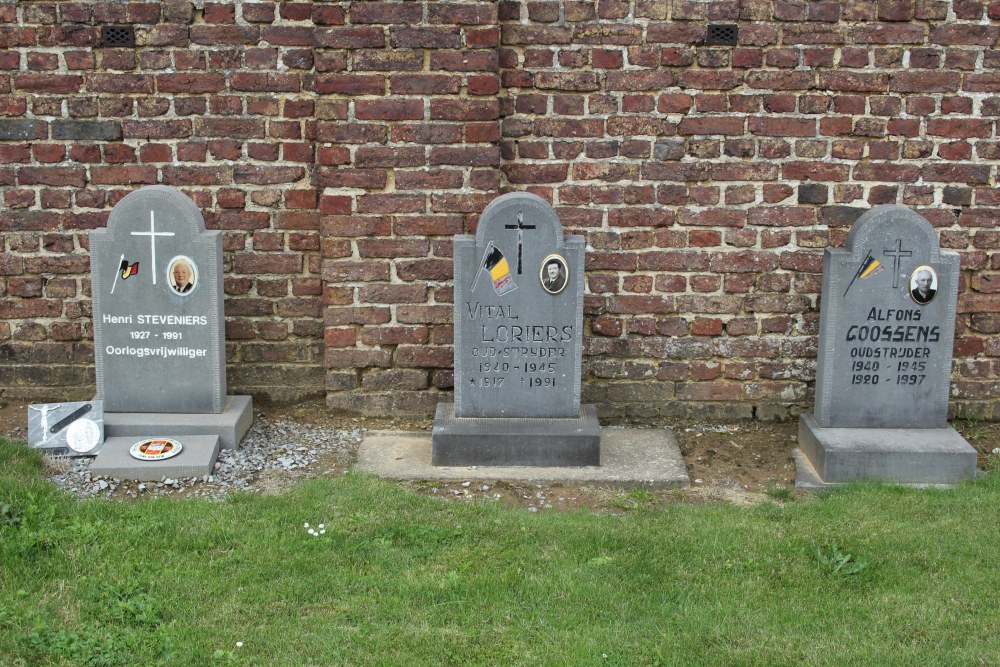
x,y
155,449
83,435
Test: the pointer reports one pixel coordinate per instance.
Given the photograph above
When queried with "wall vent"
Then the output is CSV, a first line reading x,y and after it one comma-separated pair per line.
x,y
722,35
117,36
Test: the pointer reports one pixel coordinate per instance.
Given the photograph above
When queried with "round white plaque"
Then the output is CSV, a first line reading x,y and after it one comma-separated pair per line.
x,y
83,435
155,449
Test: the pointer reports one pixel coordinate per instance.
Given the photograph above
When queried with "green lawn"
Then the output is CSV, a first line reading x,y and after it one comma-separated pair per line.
x,y
867,575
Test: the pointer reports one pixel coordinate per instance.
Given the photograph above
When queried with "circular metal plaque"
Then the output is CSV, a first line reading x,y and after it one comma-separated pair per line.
x,y
83,435
155,449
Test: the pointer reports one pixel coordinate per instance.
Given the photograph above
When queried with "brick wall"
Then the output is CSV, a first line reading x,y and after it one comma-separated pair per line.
x,y
340,145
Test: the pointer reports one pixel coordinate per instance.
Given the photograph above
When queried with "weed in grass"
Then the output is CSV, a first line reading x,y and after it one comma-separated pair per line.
x,y
835,561
634,499
780,492
600,561
973,429
747,564
122,604
992,461
223,657
9,516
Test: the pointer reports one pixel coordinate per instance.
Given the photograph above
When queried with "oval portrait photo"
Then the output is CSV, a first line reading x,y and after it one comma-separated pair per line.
x,y
554,274
923,284
182,275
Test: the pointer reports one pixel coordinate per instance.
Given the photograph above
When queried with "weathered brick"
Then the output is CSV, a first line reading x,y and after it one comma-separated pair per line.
x,y
22,130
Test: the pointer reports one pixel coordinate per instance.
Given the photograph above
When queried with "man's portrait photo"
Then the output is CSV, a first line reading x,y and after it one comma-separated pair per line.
x,y
923,284
181,275
554,274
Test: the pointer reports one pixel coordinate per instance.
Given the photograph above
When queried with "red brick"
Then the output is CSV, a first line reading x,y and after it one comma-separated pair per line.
x,y
58,176
854,81
213,35
265,82
536,173
464,61
925,82
421,356
889,33
965,34
464,109
959,128
980,83
355,358
48,83
350,38
782,127
389,109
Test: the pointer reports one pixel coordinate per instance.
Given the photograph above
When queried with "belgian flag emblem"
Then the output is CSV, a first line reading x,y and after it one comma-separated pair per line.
x,y
868,268
128,270
125,270
495,262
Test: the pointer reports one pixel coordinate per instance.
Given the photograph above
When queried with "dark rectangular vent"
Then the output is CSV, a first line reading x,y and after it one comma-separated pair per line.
x,y
117,36
722,35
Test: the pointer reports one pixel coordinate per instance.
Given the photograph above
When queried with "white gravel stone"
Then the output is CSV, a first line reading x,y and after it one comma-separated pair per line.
x,y
270,445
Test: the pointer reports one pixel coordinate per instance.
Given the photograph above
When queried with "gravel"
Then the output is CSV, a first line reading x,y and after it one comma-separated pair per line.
x,y
274,453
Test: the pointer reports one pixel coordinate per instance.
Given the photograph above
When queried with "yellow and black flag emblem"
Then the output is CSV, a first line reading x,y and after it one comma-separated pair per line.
x,y
495,262
869,267
128,270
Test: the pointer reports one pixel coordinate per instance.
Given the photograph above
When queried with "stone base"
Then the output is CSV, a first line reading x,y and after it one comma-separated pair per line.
x,y
197,459
230,425
630,458
463,441
906,456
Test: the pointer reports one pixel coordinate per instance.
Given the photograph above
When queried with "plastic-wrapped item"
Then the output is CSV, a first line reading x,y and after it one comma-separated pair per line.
x,y
75,429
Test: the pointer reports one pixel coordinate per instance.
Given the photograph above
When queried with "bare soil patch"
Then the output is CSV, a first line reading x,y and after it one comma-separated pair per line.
x,y
736,462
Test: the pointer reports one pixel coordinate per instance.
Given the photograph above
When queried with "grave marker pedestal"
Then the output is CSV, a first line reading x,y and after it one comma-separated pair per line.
x,y
887,323
156,277
518,344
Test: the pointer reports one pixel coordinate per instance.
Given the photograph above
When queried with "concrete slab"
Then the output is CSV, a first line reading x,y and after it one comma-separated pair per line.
x,y
196,459
647,458
230,425
907,456
508,441
807,479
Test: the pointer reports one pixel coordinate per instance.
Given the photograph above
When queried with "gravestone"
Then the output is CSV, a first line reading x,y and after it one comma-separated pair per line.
x,y
887,325
518,344
159,347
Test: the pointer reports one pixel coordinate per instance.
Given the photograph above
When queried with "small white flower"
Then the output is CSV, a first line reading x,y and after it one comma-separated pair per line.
x,y
321,526
322,532
306,526
239,644
996,450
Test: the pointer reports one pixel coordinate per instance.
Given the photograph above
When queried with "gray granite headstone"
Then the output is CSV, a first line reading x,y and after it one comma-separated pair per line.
x,y
887,325
156,277
885,358
158,310
518,343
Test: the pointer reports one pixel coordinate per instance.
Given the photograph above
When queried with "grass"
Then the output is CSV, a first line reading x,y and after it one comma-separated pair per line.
x,y
868,575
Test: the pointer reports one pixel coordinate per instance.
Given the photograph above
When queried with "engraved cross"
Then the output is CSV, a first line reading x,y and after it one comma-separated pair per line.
x,y
897,254
520,227
152,234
